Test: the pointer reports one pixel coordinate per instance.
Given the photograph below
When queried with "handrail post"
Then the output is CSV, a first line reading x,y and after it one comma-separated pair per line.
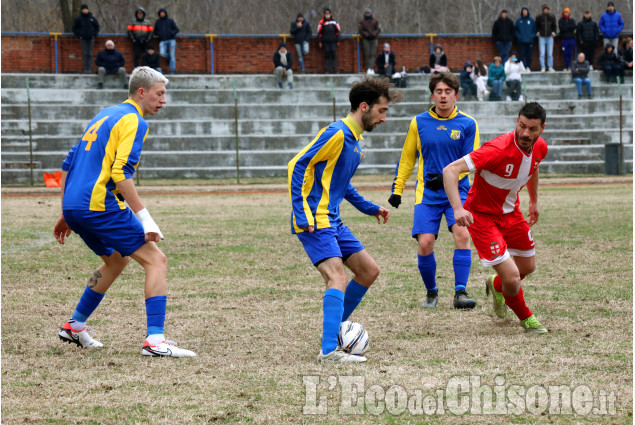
x,y
211,49
55,35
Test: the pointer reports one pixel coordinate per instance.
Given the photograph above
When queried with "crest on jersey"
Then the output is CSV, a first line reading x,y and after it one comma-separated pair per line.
x,y
495,248
455,135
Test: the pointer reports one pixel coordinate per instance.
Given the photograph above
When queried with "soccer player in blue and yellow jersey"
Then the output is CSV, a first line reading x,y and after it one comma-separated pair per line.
x,y
96,180
435,139
319,180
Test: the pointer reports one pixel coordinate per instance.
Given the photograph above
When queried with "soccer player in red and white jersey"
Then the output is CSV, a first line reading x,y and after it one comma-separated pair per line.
x,y
492,214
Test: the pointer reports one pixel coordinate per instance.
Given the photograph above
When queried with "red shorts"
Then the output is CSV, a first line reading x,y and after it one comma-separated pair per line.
x,y
496,237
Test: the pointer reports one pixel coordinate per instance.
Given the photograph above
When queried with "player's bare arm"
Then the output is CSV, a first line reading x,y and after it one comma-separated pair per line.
x,y
532,188
383,212
451,182
131,196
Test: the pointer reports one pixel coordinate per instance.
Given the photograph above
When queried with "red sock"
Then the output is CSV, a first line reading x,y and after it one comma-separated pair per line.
x,y
498,284
518,306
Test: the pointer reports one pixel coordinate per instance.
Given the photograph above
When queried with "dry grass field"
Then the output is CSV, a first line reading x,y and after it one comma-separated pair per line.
x,y
242,293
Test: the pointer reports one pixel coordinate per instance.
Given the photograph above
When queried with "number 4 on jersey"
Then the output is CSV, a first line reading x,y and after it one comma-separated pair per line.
x,y
91,134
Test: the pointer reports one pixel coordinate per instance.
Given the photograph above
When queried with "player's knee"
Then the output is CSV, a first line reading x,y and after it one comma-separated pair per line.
x,y
160,262
373,273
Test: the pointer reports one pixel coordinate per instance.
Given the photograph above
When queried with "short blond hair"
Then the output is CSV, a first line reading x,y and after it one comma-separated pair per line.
x,y
146,77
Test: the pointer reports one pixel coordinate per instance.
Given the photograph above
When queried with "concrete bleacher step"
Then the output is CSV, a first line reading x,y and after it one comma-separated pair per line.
x,y
197,125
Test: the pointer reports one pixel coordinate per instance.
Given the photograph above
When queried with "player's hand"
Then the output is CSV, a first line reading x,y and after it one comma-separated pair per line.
x,y
320,45
394,200
463,217
383,212
153,237
309,229
61,230
533,214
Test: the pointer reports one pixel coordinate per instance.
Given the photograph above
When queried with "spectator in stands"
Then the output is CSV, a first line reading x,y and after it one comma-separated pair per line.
x,y
438,60
567,27
496,78
610,64
301,32
140,32
588,35
580,74
165,28
386,61
525,32
626,54
513,70
546,26
369,29
282,62
479,75
329,39
467,83
110,62
86,29
152,58
611,25
503,34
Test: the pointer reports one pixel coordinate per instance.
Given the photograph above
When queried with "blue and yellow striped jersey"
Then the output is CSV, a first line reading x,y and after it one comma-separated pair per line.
x,y
320,177
107,153
434,142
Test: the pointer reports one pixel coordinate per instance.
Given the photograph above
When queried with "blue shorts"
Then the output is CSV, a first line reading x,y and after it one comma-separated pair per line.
x,y
428,218
105,232
330,242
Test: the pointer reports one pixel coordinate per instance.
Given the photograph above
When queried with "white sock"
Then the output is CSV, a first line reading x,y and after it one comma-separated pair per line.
x,y
155,339
76,326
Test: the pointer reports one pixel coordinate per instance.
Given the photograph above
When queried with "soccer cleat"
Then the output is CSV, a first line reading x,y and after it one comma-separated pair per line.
x,y
338,356
81,338
462,301
165,349
531,324
499,300
431,299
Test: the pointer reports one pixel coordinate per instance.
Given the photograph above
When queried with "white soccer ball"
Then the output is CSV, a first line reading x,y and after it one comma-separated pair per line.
x,y
353,338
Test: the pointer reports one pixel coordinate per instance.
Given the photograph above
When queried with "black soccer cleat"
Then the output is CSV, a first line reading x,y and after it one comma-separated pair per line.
x,y
431,300
462,301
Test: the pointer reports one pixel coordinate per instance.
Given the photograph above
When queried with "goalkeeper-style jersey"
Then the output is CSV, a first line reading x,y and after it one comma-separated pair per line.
x,y
320,177
107,153
433,142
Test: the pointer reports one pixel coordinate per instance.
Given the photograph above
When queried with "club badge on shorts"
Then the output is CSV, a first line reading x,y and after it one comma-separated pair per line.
x,y
455,135
495,248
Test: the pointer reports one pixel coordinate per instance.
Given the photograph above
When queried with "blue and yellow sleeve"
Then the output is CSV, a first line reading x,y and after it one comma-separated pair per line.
x,y
130,133
408,159
301,173
358,201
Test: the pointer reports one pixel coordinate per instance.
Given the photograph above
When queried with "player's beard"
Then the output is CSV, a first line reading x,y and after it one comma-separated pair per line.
x,y
367,121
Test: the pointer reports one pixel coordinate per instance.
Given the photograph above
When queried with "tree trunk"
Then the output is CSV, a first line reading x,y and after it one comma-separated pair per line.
x,y
67,15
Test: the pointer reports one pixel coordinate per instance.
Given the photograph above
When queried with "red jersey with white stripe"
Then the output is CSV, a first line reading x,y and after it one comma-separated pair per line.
x,y
502,169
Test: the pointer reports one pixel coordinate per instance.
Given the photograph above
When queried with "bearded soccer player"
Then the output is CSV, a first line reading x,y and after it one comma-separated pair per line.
x,y
492,212
319,180
96,180
436,138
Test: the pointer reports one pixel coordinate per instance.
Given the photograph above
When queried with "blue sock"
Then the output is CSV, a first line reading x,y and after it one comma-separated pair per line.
x,y
155,312
428,270
87,304
462,262
353,296
333,307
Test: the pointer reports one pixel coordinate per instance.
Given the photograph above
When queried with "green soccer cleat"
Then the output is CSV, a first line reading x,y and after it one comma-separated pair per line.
x,y
531,324
499,300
